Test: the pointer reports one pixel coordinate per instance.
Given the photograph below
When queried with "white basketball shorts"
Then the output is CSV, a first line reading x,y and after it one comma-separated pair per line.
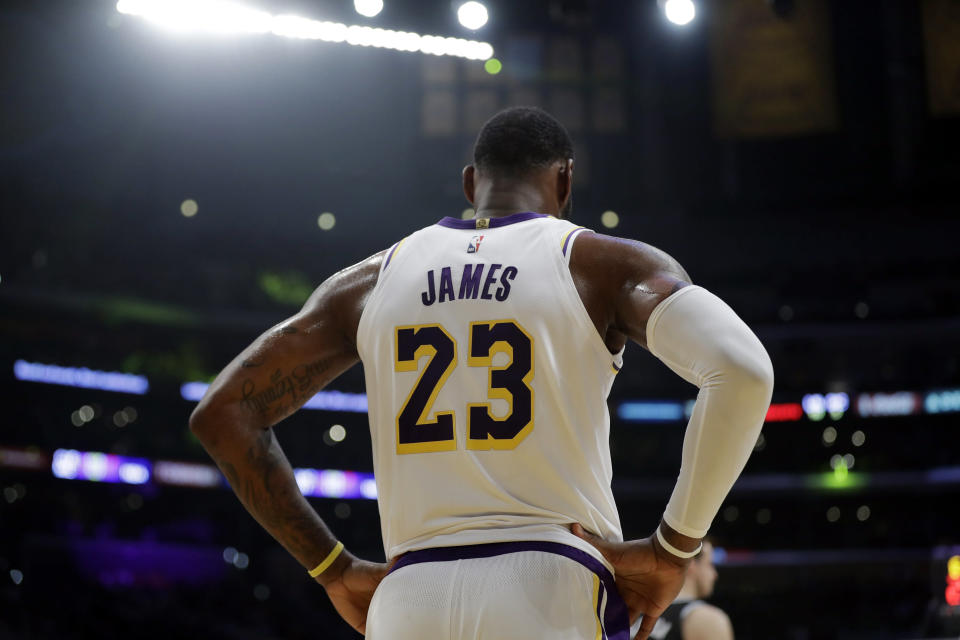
x,y
499,591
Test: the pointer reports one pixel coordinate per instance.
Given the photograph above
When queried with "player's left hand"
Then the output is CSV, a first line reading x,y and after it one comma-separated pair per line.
x,y
350,583
648,578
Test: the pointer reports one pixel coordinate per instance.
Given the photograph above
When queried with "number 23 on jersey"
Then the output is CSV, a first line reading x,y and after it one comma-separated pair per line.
x,y
418,433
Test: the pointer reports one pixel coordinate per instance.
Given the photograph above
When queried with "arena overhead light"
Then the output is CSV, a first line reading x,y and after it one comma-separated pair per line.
x,y
212,16
472,15
609,219
189,208
368,8
326,221
680,12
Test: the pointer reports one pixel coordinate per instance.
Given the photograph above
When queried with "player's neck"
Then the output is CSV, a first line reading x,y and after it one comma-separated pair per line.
x,y
504,212
497,202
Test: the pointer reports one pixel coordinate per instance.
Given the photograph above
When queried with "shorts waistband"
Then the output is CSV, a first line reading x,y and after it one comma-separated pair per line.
x,y
616,621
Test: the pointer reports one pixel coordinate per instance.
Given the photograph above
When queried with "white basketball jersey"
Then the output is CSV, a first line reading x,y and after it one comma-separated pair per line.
x,y
487,385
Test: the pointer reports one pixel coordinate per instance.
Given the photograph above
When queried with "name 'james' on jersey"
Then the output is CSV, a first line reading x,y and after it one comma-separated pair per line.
x,y
487,384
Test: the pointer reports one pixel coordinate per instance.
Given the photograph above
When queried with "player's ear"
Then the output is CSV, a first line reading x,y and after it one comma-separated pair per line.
x,y
469,188
564,182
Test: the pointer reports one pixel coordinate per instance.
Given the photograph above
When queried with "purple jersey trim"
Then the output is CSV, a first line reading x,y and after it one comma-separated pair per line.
x,y
616,621
455,223
570,236
617,367
390,255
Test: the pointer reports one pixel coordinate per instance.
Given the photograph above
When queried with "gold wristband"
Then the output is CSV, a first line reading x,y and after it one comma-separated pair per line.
x,y
323,566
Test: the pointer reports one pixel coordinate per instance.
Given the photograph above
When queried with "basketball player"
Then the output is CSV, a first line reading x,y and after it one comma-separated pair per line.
x,y
689,617
489,347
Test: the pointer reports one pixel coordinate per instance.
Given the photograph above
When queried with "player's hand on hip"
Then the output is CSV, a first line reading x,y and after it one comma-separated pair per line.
x,y
648,579
350,583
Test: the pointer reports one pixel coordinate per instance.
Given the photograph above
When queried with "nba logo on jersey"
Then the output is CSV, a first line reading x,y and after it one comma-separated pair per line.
x,y
474,245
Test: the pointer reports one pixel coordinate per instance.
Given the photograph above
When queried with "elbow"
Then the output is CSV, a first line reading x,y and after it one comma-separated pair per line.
x,y
216,425
762,373
206,428
200,424
752,373
756,381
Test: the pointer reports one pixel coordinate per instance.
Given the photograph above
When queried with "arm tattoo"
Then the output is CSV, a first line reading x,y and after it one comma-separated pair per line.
x,y
266,486
284,390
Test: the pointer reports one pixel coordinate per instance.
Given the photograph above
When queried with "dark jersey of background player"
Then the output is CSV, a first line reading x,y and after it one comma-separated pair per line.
x,y
689,617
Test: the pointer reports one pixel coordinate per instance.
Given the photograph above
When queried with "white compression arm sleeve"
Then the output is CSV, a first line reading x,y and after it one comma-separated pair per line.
x,y
700,338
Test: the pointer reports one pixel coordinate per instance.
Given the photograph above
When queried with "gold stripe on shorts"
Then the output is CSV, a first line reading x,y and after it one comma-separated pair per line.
x,y
596,605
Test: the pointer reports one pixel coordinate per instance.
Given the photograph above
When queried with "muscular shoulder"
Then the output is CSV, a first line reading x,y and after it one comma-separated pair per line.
x,y
621,281
342,296
622,260
707,622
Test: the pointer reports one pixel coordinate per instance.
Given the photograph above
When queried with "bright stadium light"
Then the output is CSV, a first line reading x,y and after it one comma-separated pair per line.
x,y
213,16
472,15
368,8
680,12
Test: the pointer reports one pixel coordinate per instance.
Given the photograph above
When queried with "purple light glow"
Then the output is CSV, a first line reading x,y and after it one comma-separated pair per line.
x,y
94,466
323,400
332,483
193,391
70,464
80,377
186,474
121,563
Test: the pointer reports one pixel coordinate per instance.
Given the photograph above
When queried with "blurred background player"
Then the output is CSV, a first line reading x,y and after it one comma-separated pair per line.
x,y
689,617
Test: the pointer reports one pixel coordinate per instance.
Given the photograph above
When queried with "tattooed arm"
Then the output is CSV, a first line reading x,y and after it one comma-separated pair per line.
x,y
269,381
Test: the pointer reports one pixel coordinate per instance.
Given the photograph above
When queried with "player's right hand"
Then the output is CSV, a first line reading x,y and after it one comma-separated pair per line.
x,y
350,586
647,577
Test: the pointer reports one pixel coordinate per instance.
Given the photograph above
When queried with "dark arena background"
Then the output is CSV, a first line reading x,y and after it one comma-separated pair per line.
x,y
176,177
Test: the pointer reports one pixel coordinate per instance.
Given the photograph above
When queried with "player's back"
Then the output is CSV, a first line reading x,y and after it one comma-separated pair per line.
x,y
487,385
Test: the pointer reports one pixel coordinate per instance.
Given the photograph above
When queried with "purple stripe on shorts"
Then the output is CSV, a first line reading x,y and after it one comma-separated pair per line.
x,y
456,223
570,236
603,625
616,622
